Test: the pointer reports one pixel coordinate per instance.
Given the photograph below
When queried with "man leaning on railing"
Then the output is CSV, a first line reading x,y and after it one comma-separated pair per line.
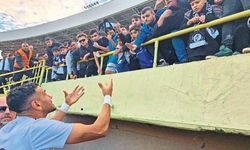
x,y
22,62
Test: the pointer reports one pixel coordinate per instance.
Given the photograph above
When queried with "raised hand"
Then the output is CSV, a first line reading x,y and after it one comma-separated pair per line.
x,y
129,46
74,96
109,37
107,89
157,3
202,19
96,45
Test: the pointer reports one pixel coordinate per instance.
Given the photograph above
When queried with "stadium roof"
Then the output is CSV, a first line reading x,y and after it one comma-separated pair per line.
x,y
66,29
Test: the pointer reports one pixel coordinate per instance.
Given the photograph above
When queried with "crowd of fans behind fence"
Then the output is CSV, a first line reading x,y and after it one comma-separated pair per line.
x,y
73,58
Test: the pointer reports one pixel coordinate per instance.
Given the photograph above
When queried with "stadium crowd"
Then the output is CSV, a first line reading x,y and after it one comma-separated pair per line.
x,y
81,57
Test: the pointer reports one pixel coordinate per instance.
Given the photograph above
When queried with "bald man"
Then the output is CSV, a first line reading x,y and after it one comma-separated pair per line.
x,y
5,114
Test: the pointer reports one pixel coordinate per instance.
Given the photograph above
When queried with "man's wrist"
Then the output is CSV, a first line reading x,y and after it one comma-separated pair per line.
x,y
107,100
65,107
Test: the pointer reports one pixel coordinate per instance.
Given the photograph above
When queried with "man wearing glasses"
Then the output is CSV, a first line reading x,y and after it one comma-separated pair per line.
x,y
5,114
84,53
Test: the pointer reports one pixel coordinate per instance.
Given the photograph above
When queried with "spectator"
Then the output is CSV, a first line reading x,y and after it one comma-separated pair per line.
x,y
87,67
247,50
50,44
140,57
218,8
69,58
63,53
228,29
6,66
40,58
101,46
33,131
159,11
123,56
57,68
242,38
135,21
22,62
123,31
158,3
5,114
79,34
121,51
170,21
112,62
202,42
33,59
146,33
134,61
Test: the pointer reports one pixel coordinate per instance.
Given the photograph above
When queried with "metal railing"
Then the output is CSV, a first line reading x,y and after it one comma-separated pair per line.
x,y
157,40
226,19
67,76
37,71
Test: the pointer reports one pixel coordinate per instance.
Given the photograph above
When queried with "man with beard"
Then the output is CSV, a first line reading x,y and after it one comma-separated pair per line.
x,y
31,129
5,114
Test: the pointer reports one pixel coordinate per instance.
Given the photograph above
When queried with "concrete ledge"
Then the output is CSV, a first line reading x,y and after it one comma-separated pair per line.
x,y
209,95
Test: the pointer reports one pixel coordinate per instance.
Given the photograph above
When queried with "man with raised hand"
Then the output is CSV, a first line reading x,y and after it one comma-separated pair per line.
x,y
31,130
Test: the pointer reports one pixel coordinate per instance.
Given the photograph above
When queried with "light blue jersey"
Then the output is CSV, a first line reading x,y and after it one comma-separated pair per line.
x,y
25,133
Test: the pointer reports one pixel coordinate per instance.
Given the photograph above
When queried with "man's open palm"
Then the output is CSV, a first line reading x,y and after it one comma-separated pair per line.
x,y
107,89
74,96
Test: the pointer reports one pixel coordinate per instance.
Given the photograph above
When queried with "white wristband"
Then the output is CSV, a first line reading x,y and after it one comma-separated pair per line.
x,y
65,107
107,100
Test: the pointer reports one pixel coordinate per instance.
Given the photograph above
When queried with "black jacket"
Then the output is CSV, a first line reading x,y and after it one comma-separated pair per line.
x,y
49,52
80,53
212,46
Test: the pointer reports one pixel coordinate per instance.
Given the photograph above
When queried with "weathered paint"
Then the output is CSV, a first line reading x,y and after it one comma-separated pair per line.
x,y
135,136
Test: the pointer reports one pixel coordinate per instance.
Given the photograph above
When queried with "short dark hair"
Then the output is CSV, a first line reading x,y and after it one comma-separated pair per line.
x,y
108,29
135,16
91,32
48,38
134,28
81,34
18,97
55,49
145,9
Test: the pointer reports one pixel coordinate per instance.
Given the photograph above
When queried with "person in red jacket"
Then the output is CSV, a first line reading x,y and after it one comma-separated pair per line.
x,y
22,62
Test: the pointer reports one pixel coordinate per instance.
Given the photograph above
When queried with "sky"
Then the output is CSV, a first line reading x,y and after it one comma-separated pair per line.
x,y
33,12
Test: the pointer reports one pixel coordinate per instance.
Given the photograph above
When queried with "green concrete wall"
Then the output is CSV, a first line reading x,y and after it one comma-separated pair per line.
x,y
209,95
